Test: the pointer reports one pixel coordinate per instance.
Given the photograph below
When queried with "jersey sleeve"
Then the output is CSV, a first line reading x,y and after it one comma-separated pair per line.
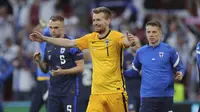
x,y
77,54
82,43
136,65
176,61
121,39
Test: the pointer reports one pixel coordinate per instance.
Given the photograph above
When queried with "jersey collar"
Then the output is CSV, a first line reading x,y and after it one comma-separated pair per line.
x,y
105,35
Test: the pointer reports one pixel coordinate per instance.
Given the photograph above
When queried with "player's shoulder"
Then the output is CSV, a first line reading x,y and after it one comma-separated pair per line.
x,y
167,47
143,48
91,35
116,33
75,50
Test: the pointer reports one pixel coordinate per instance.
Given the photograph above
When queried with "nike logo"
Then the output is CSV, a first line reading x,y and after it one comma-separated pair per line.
x,y
49,51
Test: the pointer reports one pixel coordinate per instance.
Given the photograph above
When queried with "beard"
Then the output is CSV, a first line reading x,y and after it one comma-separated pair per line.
x,y
99,29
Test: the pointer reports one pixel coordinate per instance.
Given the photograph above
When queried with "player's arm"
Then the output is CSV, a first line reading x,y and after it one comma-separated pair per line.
x,y
130,40
131,73
79,68
37,36
43,65
177,64
135,70
60,42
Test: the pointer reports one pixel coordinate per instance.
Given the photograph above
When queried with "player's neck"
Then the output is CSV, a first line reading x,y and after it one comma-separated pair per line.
x,y
104,34
154,44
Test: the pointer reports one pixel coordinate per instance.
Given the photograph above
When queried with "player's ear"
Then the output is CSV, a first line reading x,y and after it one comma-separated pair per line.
x,y
109,21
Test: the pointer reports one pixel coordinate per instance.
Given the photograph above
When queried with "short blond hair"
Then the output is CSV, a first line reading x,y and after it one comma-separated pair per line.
x,y
107,12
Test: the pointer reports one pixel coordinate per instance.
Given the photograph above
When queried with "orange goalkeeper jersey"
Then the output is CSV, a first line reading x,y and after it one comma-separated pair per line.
x,y
107,61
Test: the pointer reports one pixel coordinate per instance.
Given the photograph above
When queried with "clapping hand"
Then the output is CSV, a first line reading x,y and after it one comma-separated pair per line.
x,y
56,72
179,76
37,57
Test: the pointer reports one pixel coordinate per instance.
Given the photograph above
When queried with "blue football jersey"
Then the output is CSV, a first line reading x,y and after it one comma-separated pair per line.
x,y
158,65
65,58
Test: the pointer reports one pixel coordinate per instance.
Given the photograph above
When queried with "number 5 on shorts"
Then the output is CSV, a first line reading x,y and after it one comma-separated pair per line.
x,y
69,108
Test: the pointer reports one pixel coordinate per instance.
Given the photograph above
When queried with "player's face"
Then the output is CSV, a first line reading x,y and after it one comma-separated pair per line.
x,y
153,34
100,23
56,28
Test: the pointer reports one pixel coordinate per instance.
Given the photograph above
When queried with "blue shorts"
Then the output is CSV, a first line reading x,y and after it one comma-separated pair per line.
x,y
134,104
83,100
37,99
62,103
156,104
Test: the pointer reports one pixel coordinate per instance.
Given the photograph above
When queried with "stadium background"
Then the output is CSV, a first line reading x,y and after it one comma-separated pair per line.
x,y
180,20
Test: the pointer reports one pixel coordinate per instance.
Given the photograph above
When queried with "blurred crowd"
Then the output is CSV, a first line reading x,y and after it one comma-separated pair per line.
x,y
18,18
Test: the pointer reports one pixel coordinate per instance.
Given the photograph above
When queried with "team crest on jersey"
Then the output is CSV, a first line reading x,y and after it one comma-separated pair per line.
x,y
161,54
49,57
62,50
107,41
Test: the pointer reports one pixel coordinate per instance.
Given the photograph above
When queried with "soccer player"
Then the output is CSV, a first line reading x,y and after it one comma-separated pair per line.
x,y
41,90
157,62
106,48
65,66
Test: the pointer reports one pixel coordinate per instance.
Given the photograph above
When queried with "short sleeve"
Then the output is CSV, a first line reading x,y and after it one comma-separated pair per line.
x,y
120,38
77,54
82,42
136,62
121,42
